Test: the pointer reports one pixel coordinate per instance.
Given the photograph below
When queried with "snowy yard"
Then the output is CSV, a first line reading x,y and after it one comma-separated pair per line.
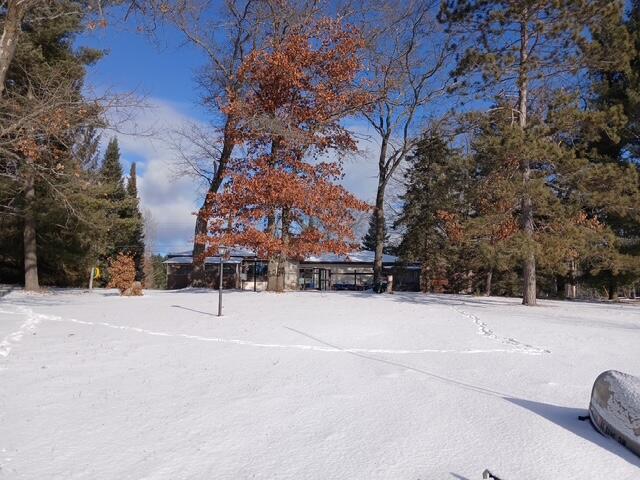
x,y
306,386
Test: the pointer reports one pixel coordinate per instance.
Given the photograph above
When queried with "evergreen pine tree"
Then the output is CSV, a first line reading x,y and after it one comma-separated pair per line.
x,y
111,172
132,181
613,149
369,240
136,247
156,277
568,232
436,193
124,221
524,47
87,149
52,199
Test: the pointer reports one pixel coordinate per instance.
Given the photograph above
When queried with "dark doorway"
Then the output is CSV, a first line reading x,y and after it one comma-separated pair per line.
x,y
323,278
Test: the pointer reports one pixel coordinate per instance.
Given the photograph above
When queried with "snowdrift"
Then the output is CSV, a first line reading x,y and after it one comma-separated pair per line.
x,y
615,408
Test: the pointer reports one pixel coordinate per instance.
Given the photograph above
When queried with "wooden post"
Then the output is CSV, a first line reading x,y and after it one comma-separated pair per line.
x,y
93,269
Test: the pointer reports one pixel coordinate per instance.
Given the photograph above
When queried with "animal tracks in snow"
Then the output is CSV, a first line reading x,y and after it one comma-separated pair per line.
x,y
485,330
29,325
33,319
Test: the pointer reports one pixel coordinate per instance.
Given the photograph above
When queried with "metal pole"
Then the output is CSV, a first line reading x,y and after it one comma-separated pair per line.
x,y
255,266
220,287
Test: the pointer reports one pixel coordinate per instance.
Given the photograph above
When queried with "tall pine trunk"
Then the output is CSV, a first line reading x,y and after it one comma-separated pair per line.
x,y
379,210
527,225
30,245
529,264
200,232
9,39
489,279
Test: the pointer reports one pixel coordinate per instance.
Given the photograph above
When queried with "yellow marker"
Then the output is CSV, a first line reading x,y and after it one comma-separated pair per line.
x,y
98,273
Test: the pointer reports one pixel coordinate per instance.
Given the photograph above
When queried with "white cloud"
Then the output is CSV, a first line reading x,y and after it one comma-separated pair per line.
x,y
170,199
361,168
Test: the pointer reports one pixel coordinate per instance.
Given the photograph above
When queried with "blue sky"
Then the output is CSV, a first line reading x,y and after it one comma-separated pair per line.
x,y
160,67
162,70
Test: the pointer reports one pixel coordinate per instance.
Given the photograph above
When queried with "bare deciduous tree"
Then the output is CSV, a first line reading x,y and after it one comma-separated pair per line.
x,y
408,56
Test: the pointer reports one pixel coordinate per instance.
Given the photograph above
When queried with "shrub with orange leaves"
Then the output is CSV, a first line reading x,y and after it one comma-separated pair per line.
x,y
122,275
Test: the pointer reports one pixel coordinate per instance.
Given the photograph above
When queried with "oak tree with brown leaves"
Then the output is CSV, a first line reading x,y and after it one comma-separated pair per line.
x,y
282,199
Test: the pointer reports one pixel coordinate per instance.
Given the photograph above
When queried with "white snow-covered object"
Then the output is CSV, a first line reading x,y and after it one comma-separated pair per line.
x,y
615,408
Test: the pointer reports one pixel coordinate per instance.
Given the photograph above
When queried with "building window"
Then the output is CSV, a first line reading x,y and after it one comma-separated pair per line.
x,y
257,270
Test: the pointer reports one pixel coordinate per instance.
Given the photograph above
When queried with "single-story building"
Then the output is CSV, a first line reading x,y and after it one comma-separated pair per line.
x,y
243,270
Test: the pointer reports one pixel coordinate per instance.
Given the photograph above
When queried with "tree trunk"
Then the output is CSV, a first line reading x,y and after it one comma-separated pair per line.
x,y
571,287
529,264
281,273
276,274
379,251
276,269
200,232
561,286
9,39
30,244
198,255
487,291
274,262
379,210
613,288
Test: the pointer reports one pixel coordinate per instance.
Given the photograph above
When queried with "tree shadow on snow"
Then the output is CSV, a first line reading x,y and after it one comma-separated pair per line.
x,y
194,310
451,300
203,290
567,418
458,477
435,376
445,299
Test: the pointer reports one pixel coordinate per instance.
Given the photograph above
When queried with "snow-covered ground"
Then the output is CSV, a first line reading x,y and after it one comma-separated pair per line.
x,y
306,386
